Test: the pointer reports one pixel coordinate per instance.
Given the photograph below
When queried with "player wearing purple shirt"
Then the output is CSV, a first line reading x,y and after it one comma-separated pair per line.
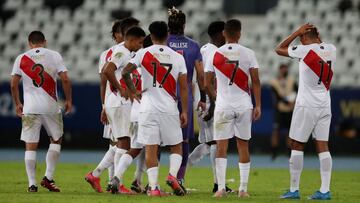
x,y
190,49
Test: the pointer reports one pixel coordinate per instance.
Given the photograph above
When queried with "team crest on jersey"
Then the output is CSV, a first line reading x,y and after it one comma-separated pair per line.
x,y
294,47
118,55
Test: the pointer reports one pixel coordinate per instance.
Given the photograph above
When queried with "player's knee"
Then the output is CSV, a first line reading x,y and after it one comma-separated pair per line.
x,y
59,141
295,145
322,146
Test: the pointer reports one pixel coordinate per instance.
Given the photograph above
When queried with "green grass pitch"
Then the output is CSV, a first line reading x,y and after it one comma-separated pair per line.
x,y
265,185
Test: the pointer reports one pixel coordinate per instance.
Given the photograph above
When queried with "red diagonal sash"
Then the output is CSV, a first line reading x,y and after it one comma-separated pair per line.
x,y
108,55
315,63
48,85
169,84
222,64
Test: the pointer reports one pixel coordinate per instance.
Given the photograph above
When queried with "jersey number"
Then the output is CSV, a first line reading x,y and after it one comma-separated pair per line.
x,y
154,64
322,71
40,74
234,71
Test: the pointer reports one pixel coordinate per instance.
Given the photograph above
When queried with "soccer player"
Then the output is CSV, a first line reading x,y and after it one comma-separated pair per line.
x,y
233,65
159,119
205,117
136,148
191,52
118,32
38,68
312,112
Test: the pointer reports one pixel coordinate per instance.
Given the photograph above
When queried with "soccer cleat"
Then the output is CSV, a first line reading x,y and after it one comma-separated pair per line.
x,y
175,186
32,188
114,185
243,194
147,188
227,189
220,193
94,182
49,184
157,193
125,191
290,195
136,187
108,187
182,182
320,196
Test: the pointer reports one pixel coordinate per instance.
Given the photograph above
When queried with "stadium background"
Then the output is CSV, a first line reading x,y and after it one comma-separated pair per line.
x,y
79,30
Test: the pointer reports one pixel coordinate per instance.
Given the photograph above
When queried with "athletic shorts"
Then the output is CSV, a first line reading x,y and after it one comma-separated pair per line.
x,y
31,126
119,120
206,133
107,134
308,121
134,144
159,129
228,124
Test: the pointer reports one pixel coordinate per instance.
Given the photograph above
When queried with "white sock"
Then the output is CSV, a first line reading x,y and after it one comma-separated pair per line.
x,y
124,164
140,167
105,163
30,165
119,152
296,166
212,160
221,172
175,163
325,171
244,169
198,153
111,167
52,157
153,174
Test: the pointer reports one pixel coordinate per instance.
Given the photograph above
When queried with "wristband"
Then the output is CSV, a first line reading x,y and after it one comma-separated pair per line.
x,y
202,96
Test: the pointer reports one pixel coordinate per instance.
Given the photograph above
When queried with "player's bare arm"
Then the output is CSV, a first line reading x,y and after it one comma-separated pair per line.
x,y
109,72
199,67
209,85
282,48
66,85
103,117
128,81
256,89
184,98
15,80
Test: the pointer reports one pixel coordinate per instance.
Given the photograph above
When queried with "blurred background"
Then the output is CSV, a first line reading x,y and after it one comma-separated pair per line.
x,y
80,31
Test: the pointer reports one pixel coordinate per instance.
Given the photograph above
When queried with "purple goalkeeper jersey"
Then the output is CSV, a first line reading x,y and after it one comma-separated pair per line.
x,y
190,49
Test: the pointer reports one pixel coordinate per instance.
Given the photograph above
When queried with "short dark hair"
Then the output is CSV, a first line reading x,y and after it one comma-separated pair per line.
x,y
36,37
215,28
312,33
135,32
127,23
159,30
176,21
147,41
232,27
116,28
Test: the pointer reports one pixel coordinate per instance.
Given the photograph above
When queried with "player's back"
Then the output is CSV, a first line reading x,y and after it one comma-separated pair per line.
x,y
161,67
231,64
39,68
207,50
315,73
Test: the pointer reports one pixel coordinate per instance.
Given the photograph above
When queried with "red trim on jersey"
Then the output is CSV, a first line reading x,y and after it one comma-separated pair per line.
x,y
312,60
49,84
136,78
241,79
108,55
170,83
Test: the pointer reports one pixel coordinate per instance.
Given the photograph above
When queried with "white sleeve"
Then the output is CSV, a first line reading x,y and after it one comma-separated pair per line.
x,y
59,63
209,66
182,65
297,51
253,61
119,58
16,67
136,60
102,61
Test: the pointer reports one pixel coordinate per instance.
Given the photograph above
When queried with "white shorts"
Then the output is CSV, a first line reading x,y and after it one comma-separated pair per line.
x,y
31,126
134,144
228,124
159,129
119,120
306,121
107,134
206,133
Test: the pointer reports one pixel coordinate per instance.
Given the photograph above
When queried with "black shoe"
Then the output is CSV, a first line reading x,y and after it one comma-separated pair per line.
x,y
108,187
32,188
181,183
136,187
215,188
227,189
147,188
114,185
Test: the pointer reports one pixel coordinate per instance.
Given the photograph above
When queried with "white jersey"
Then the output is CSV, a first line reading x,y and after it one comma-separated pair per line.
x,y
160,69
207,50
315,73
231,64
105,57
120,57
38,68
